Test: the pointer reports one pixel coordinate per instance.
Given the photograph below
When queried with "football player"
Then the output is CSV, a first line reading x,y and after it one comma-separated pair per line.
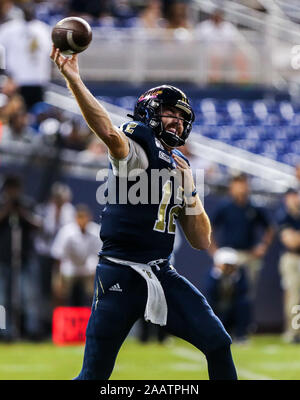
x,y
134,277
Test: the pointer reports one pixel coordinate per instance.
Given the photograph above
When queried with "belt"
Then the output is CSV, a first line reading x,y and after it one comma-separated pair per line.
x,y
156,307
156,265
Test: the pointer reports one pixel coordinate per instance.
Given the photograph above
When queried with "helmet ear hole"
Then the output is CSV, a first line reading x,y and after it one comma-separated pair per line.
x,y
153,123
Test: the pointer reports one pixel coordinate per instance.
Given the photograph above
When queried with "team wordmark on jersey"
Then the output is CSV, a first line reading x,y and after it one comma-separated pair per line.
x,y
164,156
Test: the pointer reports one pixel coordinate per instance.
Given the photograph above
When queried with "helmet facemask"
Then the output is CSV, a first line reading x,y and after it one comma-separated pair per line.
x,y
170,138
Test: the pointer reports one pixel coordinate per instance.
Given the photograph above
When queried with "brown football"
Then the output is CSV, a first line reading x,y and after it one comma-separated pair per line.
x,y
72,35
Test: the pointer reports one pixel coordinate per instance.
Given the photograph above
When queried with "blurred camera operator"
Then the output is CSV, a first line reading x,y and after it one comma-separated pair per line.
x,y
56,212
228,293
242,225
18,129
76,248
18,268
14,205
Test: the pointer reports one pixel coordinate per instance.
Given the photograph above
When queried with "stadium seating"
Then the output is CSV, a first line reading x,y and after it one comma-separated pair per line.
x,y
268,128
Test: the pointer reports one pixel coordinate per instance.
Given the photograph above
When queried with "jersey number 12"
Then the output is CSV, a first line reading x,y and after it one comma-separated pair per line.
x,y
163,223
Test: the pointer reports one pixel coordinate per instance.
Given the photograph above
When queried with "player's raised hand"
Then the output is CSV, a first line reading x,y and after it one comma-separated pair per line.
x,y
68,66
186,173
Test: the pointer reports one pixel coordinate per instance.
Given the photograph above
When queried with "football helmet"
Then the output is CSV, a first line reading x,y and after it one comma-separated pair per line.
x,y
149,110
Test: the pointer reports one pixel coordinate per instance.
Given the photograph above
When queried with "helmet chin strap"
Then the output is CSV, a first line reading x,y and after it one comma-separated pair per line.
x,y
167,145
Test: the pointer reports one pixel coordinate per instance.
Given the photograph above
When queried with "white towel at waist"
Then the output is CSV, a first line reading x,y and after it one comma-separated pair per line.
x,y
156,310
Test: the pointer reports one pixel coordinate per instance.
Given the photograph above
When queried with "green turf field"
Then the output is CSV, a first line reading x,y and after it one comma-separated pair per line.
x,y
265,357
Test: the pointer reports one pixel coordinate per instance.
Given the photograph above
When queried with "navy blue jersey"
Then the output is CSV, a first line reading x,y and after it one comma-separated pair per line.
x,y
144,231
237,225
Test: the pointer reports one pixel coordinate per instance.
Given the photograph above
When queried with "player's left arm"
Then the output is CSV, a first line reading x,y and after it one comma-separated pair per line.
x,y
193,218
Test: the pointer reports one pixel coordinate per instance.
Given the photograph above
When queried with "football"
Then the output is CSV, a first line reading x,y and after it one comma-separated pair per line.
x,y
72,35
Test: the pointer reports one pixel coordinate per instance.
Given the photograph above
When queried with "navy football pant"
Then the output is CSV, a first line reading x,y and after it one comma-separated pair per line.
x,y
115,311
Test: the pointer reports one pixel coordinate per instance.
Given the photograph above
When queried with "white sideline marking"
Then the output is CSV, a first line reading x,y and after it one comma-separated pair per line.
x,y
25,368
184,366
196,356
253,375
271,349
282,366
189,354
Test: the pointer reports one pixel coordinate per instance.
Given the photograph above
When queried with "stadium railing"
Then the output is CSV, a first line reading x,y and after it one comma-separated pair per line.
x,y
138,55
275,21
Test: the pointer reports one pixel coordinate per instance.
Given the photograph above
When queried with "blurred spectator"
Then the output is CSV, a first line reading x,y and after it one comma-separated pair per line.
x,y
9,11
18,129
28,43
55,213
76,246
178,25
289,266
150,15
123,12
74,135
59,130
243,226
95,153
227,293
89,10
3,103
223,47
18,267
14,101
52,11
42,111
105,17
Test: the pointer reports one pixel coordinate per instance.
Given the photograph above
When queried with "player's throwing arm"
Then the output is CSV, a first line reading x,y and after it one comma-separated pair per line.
x,y
94,113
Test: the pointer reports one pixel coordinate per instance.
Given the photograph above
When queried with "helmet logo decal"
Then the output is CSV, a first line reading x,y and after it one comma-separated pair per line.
x,y
150,95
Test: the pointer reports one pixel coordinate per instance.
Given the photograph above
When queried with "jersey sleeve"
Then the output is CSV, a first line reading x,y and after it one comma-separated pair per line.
x,y
136,159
